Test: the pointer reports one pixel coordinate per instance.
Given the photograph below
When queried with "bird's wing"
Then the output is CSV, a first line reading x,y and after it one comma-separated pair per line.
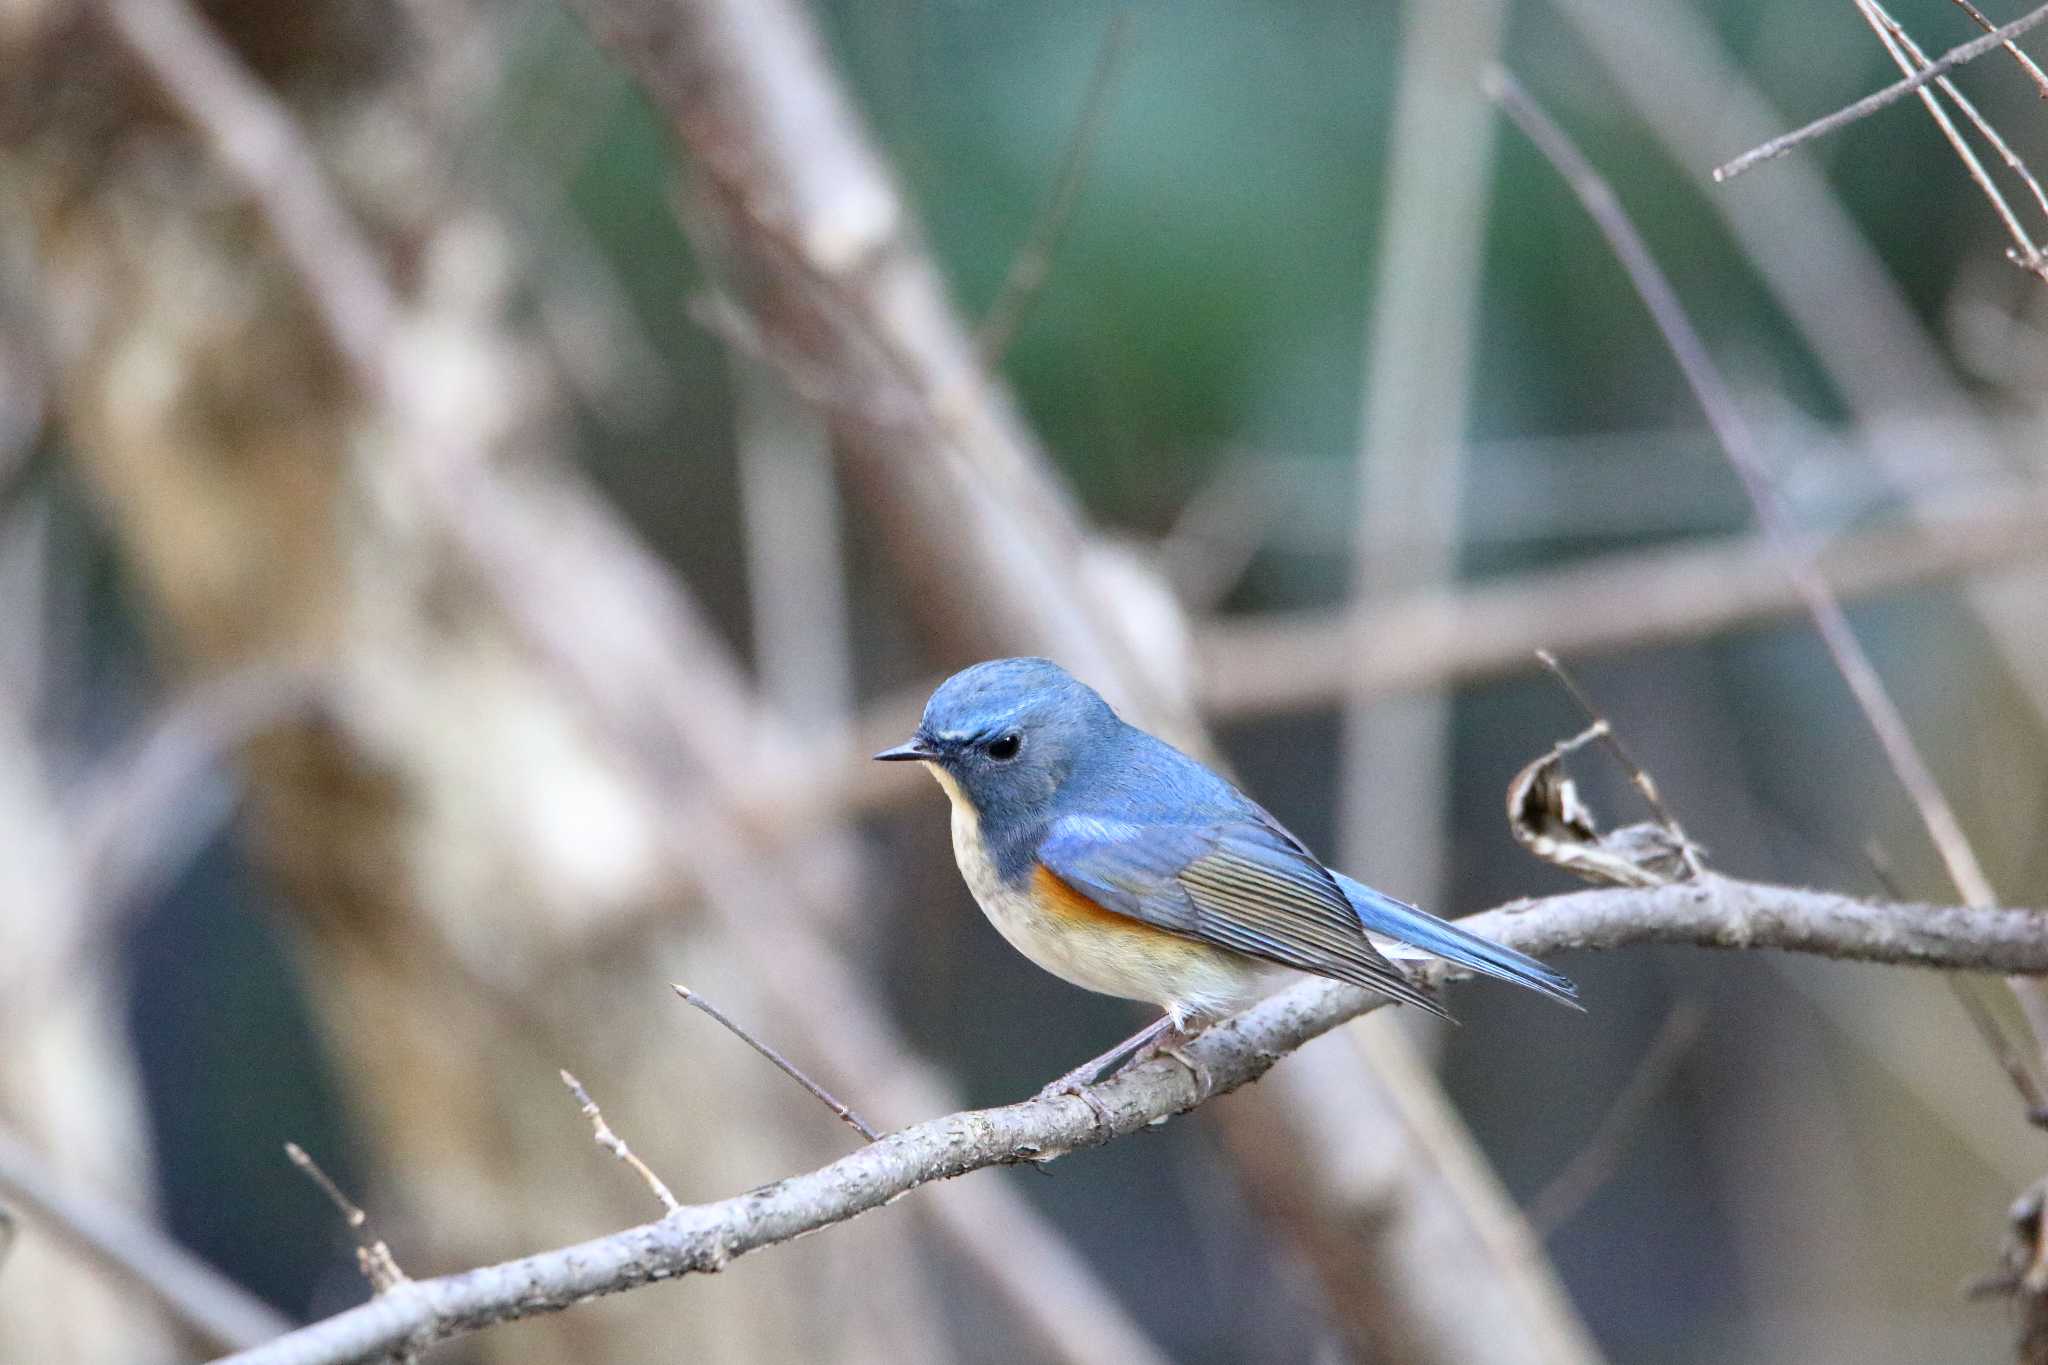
x,y
1240,884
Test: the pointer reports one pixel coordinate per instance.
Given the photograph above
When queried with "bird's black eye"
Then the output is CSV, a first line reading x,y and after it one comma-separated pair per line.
x,y
1004,747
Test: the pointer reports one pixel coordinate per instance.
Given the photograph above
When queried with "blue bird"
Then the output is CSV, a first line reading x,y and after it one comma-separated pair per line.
x,y
1116,862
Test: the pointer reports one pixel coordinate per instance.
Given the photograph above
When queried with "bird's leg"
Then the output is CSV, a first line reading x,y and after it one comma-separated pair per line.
x,y
1077,1081
1169,1043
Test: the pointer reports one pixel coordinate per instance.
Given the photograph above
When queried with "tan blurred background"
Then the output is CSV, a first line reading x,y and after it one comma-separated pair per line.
x,y
470,502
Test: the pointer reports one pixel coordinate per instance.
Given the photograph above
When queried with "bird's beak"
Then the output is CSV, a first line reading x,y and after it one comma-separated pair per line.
x,y
916,747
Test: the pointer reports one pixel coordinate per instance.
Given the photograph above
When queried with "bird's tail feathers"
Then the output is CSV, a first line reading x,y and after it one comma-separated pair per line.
x,y
1417,933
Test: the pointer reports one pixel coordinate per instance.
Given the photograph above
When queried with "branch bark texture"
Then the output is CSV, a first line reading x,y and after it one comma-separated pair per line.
x,y
1716,912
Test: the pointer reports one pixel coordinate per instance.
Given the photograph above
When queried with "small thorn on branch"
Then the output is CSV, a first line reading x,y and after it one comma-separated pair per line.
x,y
616,1145
780,1062
373,1257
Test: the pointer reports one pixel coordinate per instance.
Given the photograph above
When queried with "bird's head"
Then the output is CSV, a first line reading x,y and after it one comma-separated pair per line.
x,y
1004,735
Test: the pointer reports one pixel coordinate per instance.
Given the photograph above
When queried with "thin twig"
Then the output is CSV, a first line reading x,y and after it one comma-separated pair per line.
x,y
1891,94
2027,64
1969,993
1983,125
781,1063
215,1308
2011,1060
1901,752
616,1145
1718,912
1907,56
1746,458
1033,261
1842,297
1611,738
373,1256
1558,1202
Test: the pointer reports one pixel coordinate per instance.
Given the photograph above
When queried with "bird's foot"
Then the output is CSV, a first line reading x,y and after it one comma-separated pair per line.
x,y
1205,1084
1077,1083
1173,1043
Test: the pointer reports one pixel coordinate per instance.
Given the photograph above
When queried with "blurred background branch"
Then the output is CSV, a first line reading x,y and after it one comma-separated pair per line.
x,y
455,556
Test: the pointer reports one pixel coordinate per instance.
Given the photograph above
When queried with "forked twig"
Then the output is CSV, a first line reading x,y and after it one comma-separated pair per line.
x,y
781,1063
616,1145
1891,94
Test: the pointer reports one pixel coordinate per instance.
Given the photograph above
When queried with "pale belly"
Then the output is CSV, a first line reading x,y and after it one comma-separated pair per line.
x,y
1189,979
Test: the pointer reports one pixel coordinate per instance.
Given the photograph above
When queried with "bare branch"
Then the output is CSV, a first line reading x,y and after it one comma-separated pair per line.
x,y
262,144
1739,443
1907,56
780,1062
1891,94
1628,600
215,1308
2027,64
616,1145
1715,912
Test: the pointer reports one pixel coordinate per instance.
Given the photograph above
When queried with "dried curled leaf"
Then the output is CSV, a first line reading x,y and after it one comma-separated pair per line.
x,y
1550,819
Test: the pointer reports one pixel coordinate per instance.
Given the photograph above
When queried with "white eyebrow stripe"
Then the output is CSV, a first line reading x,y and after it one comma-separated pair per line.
x,y
988,726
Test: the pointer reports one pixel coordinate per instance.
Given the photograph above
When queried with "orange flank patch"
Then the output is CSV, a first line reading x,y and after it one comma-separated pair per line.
x,y
1078,913
1065,931
1074,910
